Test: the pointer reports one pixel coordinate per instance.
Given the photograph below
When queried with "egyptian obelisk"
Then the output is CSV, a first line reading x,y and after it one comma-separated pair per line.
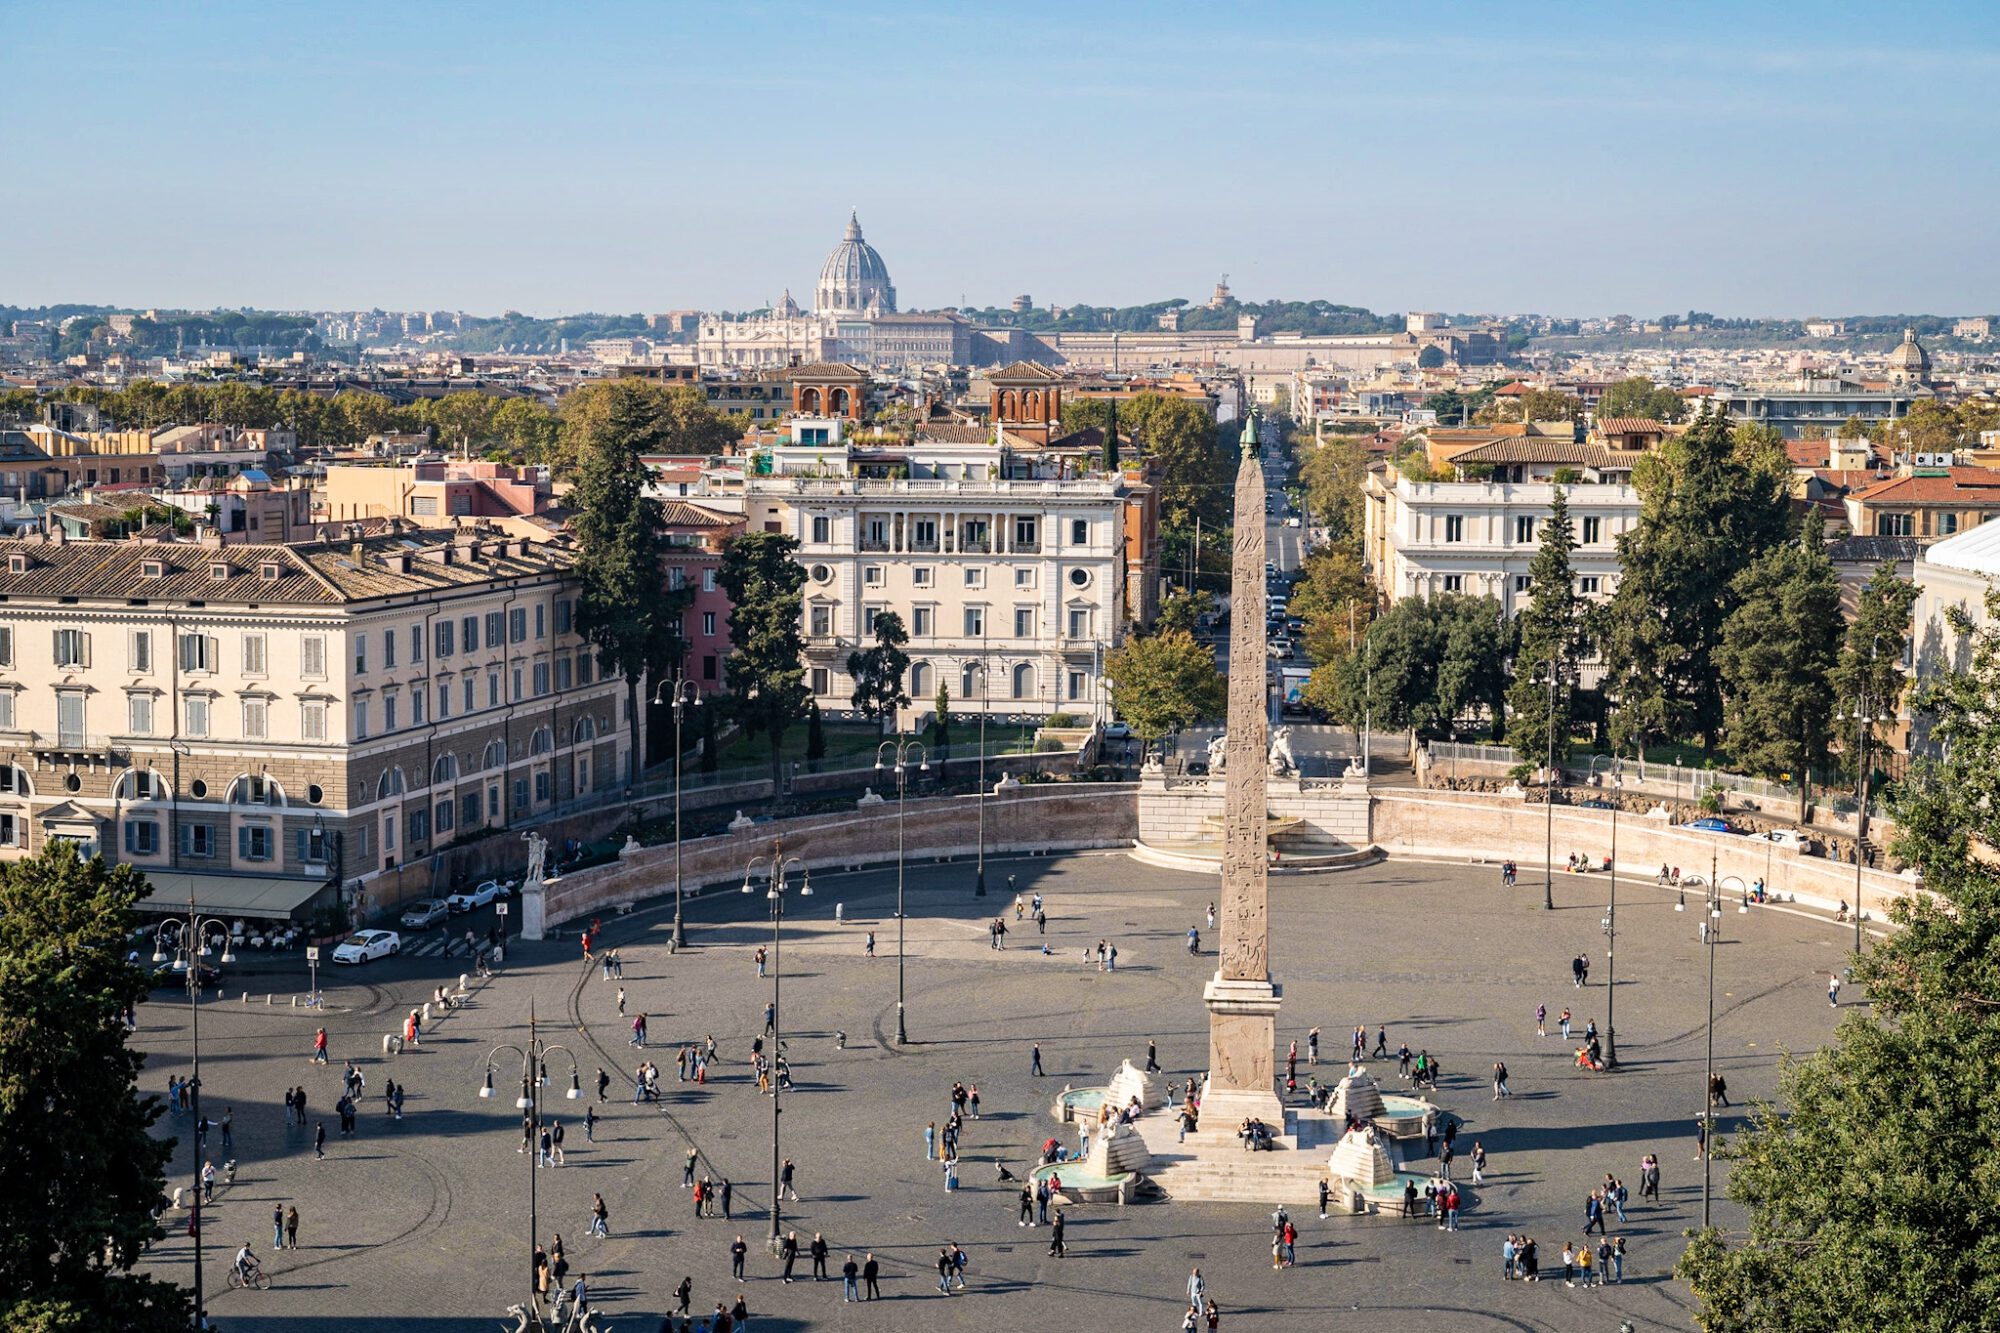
x,y
1242,1001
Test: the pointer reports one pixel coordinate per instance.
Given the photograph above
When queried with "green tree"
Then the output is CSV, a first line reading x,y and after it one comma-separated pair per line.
x,y
1164,682
677,420
87,1173
623,606
1704,517
815,736
1424,664
1450,406
1179,436
1430,358
1182,610
1333,475
941,723
1640,397
878,671
1335,599
763,578
1863,1181
710,759
527,428
1871,660
1761,448
1778,648
464,419
1554,628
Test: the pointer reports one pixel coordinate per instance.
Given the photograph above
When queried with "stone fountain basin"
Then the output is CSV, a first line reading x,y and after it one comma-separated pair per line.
x,y
1078,1104
1273,824
1082,1185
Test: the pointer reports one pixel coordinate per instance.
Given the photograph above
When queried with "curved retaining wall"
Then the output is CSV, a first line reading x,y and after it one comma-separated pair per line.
x,y
1037,818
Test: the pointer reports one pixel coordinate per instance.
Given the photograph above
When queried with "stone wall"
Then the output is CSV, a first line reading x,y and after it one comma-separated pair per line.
x,y
1499,828
1040,817
1190,810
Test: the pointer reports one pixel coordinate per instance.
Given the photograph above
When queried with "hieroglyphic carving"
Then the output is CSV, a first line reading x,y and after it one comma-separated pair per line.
x,y
1245,953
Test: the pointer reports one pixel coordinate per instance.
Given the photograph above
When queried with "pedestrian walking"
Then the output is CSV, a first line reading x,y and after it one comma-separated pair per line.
x,y
1152,1056
1833,990
785,1187
228,1119
1541,1020
1649,1177
737,1250
1500,1080
1057,1249
1035,1060
319,1047
556,1141
683,1294
727,1191
1478,1163
319,1142
600,1217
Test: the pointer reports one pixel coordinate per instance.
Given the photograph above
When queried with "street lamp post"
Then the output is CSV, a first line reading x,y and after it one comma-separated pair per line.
x,y
778,866
1549,837
684,695
1713,906
985,697
1616,768
534,1076
902,748
1863,724
193,947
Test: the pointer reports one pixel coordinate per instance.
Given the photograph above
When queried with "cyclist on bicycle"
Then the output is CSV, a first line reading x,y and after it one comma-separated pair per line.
x,y
247,1263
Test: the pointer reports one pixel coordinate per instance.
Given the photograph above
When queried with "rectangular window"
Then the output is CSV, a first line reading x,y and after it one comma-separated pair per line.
x,y
416,643
444,700
708,580
1454,528
312,720
492,689
493,801
309,844
471,693
1079,531
709,665
1025,530
417,697
1947,524
253,655
253,842
389,702
256,712
1454,583
141,650
388,650
519,694
1524,529
708,624
921,620
923,534
6,710
1593,529
1075,686
138,714
468,633
1024,622
361,654
361,832
975,622
447,633
586,667
495,629
517,624
196,714
565,615
822,528
142,837
1024,577
563,673
677,578
198,840
1522,582
542,786
420,826
360,719
443,815
1079,623
822,620
975,578
541,621
72,648
468,807
541,679
520,793
871,576
197,652
312,657
388,833
875,533
1895,525
822,681
1587,585
920,576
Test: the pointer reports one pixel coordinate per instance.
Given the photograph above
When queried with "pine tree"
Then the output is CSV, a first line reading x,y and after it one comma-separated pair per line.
x,y
1552,629
766,673
941,736
815,736
1778,650
1865,1181
1871,661
878,671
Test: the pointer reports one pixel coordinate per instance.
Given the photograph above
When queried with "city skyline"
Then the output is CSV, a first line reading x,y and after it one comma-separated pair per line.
x,y
1711,158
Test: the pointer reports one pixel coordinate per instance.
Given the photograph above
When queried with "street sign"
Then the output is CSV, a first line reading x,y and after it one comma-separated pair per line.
x,y
499,909
312,953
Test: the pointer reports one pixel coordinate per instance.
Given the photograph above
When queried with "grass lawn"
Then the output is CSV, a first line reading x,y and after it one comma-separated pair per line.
x,y
847,745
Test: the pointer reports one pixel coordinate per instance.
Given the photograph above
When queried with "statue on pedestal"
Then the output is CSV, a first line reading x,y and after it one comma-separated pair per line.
x,y
1218,755
1283,763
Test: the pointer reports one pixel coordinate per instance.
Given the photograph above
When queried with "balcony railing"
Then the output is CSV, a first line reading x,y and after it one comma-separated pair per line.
x,y
71,742
871,544
976,545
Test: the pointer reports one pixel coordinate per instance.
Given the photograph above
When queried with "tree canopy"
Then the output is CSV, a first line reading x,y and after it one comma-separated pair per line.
x,y
1164,682
1554,628
765,670
1778,649
78,1189
1638,396
878,670
1423,664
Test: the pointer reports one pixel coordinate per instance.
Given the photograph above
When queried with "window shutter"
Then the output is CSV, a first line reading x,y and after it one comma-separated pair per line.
x,y
243,844
129,839
299,837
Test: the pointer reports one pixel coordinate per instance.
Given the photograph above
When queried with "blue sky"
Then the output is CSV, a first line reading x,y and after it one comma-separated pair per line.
x,y
1744,158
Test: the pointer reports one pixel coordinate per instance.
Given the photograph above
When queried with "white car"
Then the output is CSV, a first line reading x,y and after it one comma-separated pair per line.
x,y
466,900
427,912
365,946
1118,731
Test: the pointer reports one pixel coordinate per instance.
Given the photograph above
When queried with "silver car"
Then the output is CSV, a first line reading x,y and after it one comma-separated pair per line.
x,y
428,912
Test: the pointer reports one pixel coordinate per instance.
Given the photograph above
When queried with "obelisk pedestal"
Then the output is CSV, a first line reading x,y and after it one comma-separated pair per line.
x,y
1242,1001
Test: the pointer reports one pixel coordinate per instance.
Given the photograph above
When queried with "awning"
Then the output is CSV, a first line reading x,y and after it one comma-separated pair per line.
x,y
229,895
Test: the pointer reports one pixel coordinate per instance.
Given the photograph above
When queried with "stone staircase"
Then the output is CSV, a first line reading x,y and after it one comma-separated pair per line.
x,y
1219,1170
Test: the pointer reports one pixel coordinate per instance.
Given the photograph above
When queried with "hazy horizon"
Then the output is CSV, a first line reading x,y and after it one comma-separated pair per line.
x,y
638,158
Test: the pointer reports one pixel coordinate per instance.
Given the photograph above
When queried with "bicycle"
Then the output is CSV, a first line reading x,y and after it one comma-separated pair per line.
x,y
257,1278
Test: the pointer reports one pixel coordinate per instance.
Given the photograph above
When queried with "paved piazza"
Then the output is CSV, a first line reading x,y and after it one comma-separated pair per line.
x,y
421,1224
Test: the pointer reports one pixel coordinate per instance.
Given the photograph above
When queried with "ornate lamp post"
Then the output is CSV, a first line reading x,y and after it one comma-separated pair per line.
x,y
1615,772
985,697
1713,906
1554,667
777,867
682,694
1864,724
902,748
190,944
534,1077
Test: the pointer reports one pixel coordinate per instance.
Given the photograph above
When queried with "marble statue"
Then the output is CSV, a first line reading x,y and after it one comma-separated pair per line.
x,y
1218,754
538,852
1283,763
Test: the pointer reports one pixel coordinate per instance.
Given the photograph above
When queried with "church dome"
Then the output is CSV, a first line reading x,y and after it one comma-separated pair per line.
x,y
1909,358
854,279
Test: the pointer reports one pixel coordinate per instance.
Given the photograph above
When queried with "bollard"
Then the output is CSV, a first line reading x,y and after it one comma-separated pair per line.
x,y
246,997
427,1013
461,983
840,912
268,999
839,1040
392,1044
295,1002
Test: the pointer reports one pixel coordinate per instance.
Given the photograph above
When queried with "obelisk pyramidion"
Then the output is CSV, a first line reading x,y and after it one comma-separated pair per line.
x,y
1242,1001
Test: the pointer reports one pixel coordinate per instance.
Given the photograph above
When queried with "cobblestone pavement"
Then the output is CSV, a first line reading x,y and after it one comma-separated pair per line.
x,y
422,1223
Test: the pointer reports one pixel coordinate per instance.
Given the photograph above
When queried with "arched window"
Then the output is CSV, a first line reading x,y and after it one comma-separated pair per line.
x,y
837,402
1007,406
586,730
809,401
14,781
922,680
1024,681
444,770
139,784
389,784
542,741
255,789
968,681
495,756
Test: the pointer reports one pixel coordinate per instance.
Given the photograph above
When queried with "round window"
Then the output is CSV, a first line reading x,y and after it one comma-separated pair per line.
x,y
199,788
1079,578
314,794
72,783
822,574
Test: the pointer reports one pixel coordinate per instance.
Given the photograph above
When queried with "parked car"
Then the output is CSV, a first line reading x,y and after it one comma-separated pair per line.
x,y
1788,837
166,974
1713,824
1593,805
481,894
1118,731
365,946
428,912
